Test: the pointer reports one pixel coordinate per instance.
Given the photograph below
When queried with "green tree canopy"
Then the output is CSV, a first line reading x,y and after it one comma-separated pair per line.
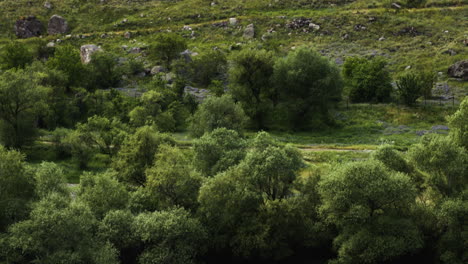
x,y
167,47
15,55
459,124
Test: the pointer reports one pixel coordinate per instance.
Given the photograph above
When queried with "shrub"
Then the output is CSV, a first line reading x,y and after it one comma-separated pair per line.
x,y
410,88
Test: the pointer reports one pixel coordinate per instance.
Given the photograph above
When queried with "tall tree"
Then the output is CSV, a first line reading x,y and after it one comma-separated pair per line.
x,y
21,99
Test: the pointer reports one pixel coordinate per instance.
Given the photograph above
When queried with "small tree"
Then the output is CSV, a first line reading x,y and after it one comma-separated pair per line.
x,y
216,112
367,80
410,88
209,67
167,47
15,55
67,59
459,124
104,70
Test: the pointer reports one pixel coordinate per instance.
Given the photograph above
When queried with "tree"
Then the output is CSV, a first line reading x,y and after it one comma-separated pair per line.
x,y
169,237
21,99
250,83
217,151
308,85
458,123
410,88
370,206
172,181
167,47
16,188
444,161
49,178
391,159
208,67
67,59
217,112
104,71
15,55
102,193
81,153
137,154
368,80
58,231
102,133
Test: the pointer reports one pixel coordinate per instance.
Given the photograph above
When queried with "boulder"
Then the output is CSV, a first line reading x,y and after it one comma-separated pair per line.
x,y
86,51
459,70
199,94
157,69
233,21
249,32
57,25
48,5
28,27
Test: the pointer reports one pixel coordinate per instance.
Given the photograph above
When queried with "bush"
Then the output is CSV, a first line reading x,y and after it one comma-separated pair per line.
x,y
410,88
217,112
368,80
167,47
209,67
15,55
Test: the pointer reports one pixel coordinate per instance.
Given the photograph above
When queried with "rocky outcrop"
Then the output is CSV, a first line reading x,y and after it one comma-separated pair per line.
x,y
28,27
459,70
199,94
249,32
86,52
57,25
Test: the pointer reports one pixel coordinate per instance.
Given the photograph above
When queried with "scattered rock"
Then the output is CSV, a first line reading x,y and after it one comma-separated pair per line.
x,y
188,28
314,26
157,69
48,5
127,35
459,70
28,27
249,32
233,21
50,45
396,6
412,31
86,51
408,68
57,25
187,55
381,38
359,27
298,23
345,36
198,94
222,24
450,52
135,50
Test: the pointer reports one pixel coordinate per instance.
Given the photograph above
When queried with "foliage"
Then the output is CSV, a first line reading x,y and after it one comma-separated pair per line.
x,y
370,206
67,59
459,124
15,55
368,80
172,181
167,47
81,153
21,99
208,67
137,154
217,112
307,86
16,188
410,88
392,159
217,151
104,70
250,83
444,161
49,178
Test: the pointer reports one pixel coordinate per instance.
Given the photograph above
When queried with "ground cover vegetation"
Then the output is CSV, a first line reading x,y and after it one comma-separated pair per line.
x,y
233,131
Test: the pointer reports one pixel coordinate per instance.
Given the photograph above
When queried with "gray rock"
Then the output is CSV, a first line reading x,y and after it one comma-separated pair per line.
x,y
50,45
28,27
381,39
57,25
314,26
187,55
249,32
233,21
135,50
86,51
157,69
450,52
199,94
127,35
459,70
396,6
440,127
48,5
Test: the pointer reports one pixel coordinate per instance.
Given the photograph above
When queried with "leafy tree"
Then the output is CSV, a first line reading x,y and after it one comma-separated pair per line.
x,y
103,193
167,47
21,99
444,161
104,71
49,178
410,88
307,86
58,232
218,151
81,153
368,80
15,55
172,181
392,159
208,67
67,59
459,124
169,237
250,83
137,154
370,206
102,133
217,112
16,188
